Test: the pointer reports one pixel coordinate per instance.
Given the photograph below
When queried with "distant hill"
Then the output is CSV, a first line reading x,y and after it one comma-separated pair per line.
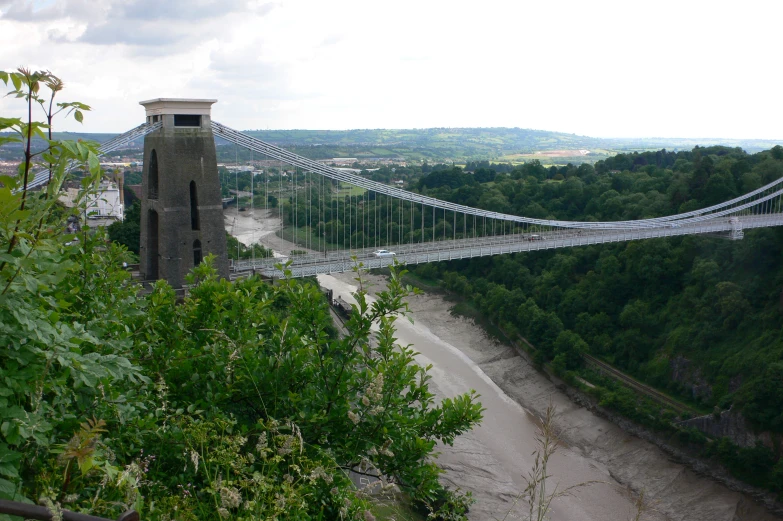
x,y
466,144
483,143
459,144
14,152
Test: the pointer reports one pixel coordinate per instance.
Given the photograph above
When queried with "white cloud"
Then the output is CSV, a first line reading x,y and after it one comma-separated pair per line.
x,y
604,68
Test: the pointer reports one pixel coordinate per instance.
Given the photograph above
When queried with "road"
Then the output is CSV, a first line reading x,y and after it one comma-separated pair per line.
x,y
342,261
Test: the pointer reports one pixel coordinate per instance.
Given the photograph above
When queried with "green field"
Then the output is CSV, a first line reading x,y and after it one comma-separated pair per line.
x,y
349,190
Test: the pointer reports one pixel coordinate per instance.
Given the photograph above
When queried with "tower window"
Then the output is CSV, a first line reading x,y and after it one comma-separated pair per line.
x,y
197,255
187,120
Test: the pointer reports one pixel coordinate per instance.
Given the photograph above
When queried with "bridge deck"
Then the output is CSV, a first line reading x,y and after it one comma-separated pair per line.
x,y
336,262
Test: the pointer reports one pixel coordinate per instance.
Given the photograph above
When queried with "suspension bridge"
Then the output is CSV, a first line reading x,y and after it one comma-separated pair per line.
x,y
342,219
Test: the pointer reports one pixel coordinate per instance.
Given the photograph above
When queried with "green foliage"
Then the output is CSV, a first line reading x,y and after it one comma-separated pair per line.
x,y
698,317
452,178
643,303
238,402
237,250
254,361
59,361
761,397
570,347
128,231
755,465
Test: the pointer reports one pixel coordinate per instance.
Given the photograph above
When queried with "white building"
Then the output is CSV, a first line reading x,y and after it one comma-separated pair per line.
x,y
105,203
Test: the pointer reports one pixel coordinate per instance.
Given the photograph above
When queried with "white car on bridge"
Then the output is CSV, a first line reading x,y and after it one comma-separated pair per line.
x,y
383,253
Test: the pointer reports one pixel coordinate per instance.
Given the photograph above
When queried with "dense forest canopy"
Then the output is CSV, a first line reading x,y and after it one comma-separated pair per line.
x,y
699,317
642,302
639,305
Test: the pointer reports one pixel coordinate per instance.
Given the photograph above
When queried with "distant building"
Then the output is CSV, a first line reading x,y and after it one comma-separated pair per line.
x,y
356,170
105,203
238,168
339,161
9,167
114,164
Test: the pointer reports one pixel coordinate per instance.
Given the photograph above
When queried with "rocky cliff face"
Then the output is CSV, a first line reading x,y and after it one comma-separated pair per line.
x,y
684,372
732,425
729,424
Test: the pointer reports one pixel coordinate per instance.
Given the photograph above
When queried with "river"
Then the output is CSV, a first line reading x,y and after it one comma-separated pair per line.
x,y
491,460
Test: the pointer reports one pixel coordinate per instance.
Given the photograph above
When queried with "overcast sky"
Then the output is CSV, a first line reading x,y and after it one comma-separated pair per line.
x,y
631,68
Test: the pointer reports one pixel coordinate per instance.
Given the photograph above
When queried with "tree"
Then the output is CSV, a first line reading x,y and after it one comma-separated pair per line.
x,y
128,231
266,405
570,347
57,357
730,305
272,356
484,175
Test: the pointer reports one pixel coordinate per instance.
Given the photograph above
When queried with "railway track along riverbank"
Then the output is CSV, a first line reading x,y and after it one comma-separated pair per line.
x,y
638,386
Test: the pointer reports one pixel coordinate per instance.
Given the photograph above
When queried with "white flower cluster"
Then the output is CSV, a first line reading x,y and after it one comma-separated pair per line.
x,y
261,446
385,449
287,446
194,457
373,394
320,473
344,509
129,481
230,497
55,510
230,365
374,391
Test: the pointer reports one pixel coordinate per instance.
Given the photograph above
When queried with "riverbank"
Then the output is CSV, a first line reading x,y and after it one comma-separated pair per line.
x,y
491,460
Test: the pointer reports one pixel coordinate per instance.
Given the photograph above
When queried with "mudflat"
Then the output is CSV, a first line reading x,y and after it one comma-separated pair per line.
x,y
491,460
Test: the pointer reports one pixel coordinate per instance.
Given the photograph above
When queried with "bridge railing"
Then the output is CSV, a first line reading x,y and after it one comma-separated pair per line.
x,y
480,243
41,177
27,511
306,265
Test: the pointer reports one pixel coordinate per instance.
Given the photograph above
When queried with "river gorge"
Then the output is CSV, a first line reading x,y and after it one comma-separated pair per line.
x,y
491,460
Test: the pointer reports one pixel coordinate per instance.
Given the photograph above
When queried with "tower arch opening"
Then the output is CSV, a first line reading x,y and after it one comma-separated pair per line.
x,y
198,256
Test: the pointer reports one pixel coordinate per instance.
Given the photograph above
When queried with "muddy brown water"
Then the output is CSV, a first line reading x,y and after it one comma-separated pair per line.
x,y
490,460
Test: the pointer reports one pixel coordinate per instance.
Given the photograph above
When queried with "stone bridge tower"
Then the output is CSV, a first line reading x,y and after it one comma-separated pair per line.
x,y
181,207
